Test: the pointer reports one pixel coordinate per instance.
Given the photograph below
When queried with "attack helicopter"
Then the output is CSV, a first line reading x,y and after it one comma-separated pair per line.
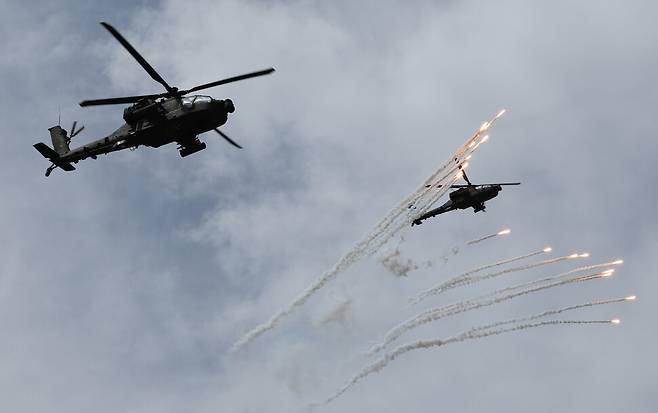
x,y
466,196
152,120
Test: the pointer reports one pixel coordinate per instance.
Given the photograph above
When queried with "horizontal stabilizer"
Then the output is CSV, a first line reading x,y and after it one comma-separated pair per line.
x,y
46,151
53,156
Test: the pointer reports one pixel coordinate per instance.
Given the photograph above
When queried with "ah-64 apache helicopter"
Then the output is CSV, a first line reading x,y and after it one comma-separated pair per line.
x,y
466,196
153,120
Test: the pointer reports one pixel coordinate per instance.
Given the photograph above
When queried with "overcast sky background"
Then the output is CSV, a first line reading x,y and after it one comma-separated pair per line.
x,y
124,283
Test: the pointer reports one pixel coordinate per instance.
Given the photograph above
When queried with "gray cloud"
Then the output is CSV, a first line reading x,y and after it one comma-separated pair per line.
x,y
123,284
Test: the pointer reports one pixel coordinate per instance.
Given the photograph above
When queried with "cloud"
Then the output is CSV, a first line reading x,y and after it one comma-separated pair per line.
x,y
124,283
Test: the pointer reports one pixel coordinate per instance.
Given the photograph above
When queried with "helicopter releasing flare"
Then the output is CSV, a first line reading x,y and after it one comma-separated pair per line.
x,y
465,196
390,225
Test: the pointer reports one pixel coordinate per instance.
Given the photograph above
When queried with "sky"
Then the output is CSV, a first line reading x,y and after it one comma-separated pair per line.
x,y
125,283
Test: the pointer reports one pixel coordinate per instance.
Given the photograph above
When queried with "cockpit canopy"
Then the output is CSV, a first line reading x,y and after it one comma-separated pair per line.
x,y
190,101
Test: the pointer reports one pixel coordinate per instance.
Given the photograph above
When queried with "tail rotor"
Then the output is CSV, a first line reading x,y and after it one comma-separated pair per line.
x,y
74,132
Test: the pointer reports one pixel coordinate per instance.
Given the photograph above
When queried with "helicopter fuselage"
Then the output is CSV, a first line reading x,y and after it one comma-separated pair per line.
x,y
159,122
473,196
153,120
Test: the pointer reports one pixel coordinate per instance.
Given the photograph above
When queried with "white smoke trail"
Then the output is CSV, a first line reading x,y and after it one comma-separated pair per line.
x,y
554,277
486,300
435,314
486,237
424,294
553,312
423,202
390,226
473,334
467,278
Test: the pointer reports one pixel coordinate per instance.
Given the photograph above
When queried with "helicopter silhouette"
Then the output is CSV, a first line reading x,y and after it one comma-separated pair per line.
x,y
466,196
152,120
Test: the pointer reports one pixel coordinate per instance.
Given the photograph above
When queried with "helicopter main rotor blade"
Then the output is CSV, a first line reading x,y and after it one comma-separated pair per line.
x,y
464,175
149,69
231,141
116,101
466,186
501,184
228,80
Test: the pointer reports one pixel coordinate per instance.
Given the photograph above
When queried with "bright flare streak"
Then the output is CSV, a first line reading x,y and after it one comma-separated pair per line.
x,y
459,175
435,314
507,231
501,113
472,144
618,262
486,138
467,278
615,321
484,126
469,157
548,249
630,298
465,165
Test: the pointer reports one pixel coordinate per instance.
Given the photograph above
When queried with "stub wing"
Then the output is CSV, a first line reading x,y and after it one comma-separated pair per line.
x,y
448,206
